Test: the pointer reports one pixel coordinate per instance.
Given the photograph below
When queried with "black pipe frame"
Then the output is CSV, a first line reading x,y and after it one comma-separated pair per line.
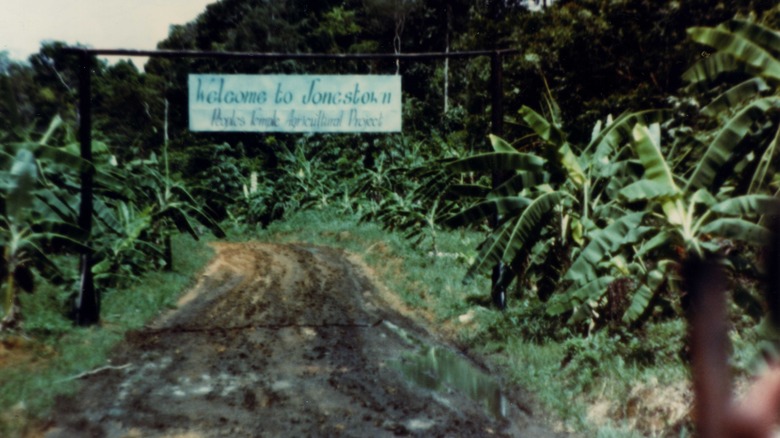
x,y
87,310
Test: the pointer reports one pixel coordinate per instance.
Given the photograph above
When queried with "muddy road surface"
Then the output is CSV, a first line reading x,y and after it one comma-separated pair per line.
x,y
288,341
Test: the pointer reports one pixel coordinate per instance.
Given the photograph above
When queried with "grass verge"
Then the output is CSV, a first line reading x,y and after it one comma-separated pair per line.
x,y
44,360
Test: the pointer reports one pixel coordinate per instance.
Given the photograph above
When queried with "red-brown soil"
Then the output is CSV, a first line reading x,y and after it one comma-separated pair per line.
x,y
276,340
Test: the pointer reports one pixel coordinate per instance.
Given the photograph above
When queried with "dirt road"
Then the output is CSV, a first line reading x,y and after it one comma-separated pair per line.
x,y
287,340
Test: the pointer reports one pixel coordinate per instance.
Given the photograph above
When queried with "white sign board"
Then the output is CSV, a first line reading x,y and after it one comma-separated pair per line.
x,y
295,103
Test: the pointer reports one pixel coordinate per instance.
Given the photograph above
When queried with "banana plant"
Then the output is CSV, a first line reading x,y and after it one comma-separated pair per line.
x,y
746,112
168,204
126,250
720,198
552,201
26,233
671,216
522,203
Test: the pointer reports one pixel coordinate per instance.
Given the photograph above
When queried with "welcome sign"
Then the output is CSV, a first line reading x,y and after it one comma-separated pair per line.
x,y
295,103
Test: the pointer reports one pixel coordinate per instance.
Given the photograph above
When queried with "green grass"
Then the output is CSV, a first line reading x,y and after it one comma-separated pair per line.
x,y
58,350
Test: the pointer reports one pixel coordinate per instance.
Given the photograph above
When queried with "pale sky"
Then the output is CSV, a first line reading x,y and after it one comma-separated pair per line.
x,y
109,24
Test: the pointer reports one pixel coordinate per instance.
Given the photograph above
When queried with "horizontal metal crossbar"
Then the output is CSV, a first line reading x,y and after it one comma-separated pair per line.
x,y
286,56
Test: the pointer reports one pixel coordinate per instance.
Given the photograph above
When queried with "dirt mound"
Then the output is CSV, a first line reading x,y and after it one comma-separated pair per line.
x,y
276,340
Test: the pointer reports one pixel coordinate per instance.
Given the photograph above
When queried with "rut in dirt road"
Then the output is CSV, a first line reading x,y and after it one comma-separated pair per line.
x,y
278,340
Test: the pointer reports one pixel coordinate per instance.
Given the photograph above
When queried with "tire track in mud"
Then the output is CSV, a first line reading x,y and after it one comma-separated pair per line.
x,y
275,340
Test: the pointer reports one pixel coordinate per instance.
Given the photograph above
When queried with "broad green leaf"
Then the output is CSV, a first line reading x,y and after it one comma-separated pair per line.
x,y
500,145
504,243
205,219
508,206
65,209
56,229
644,294
661,239
619,132
603,243
542,127
649,153
639,302
592,291
182,222
731,98
529,218
624,168
739,47
70,241
61,156
106,215
657,170
596,132
557,306
555,137
98,148
516,184
703,196
111,185
727,141
570,163
760,35
102,267
738,229
577,231
747,205
644,190
490,251
719,63
760,176
23,176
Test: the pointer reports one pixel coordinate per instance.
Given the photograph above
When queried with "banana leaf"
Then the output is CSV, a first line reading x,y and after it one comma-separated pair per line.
x,y
603,243
65,209
739,47
21,182
620,131
727,141
639,301
555,137
760,176
542,127
661,239
738,229
734,96
504,243
711,68
508,207
500,145
747,205
645,143
758,34
497,161
644,190
517,183
593,290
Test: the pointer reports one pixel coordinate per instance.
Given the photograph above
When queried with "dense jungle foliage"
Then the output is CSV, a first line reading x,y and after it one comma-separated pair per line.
x,y
638,132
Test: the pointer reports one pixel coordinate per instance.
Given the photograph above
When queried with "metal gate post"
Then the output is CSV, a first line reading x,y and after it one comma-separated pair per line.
x,y
87,305
498,289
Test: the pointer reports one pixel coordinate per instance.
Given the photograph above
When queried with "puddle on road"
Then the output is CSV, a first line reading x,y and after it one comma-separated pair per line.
x,y
441,370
